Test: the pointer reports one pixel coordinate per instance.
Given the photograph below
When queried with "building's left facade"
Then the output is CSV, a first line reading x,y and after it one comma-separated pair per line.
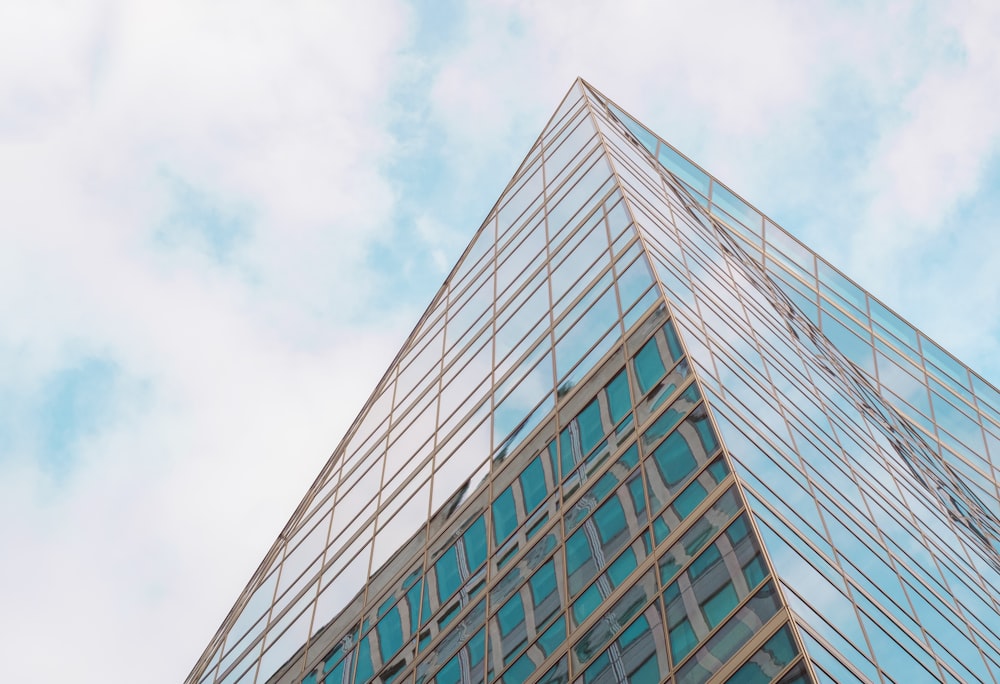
x,y
535,490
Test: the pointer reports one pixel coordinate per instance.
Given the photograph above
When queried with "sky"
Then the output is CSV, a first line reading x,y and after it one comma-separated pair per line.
x,y
221,219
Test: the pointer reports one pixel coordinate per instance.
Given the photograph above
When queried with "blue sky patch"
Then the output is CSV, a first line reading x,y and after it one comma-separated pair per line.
x,y
75,403
203,220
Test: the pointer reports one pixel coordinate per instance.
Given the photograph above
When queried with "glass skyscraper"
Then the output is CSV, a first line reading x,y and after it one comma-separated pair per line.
x,y
641,434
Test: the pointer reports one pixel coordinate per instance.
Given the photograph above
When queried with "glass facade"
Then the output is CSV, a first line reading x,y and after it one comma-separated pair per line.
x,y
641,434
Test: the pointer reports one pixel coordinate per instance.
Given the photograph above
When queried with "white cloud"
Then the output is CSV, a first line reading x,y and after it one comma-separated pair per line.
x,y
235,372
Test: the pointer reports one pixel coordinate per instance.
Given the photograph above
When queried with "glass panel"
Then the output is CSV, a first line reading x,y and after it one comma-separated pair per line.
x,y
728,640
637,655
765,665
712,586
624,609
678,165
737,208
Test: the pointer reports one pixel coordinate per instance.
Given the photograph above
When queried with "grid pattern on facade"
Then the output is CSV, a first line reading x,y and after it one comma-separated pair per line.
x,y
884,532
633,429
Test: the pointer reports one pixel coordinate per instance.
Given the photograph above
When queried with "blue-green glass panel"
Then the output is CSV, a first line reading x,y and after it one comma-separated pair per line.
x,y
364,669
730,637
553,637
648,366
591,428
619,401
390,634
719,605
778,652
533,486
669,419
475,544
511,614
674,459
504,515
446,573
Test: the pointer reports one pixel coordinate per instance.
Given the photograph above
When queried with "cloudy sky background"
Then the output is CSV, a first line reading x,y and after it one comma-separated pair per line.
x,y
220,221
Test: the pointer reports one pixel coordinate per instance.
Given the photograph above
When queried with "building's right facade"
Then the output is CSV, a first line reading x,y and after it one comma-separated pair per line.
x,y
868,456
641,434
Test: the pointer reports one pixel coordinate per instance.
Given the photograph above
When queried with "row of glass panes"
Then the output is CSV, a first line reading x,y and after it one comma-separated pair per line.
x,y
956,413
828,280
786,491
900,504
948,642
847,314
936,396
626,398
686,234
595,514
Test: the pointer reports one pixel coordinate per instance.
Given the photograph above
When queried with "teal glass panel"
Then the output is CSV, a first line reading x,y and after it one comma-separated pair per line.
x,y
553,637
363,670
511,615
720,604
689,499
533,486
682,636
619,401
637,655
619,613
673,343
475,544
446,573
610,520
591,429
773,656
504,515
648,366
520,671
669,419
587,603
674,459
543,584
730,637
390,634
